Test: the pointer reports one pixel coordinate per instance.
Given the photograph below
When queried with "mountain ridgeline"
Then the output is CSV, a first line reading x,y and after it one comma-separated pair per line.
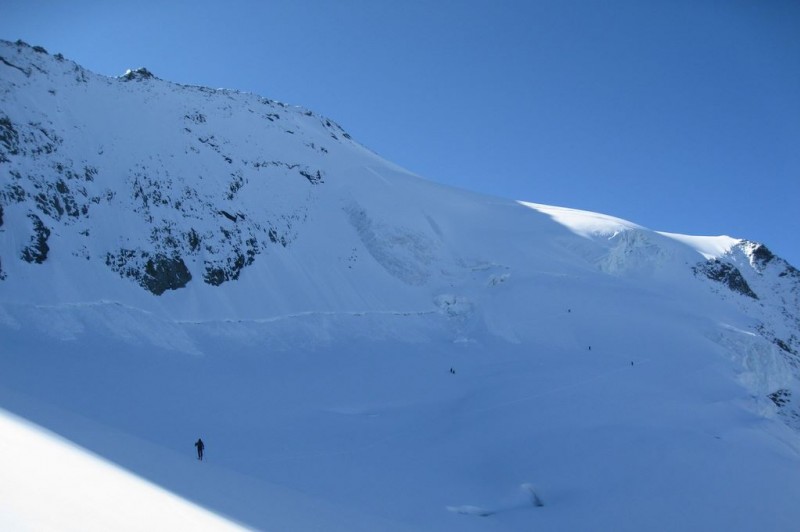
x,y
164,217
65,185
166,186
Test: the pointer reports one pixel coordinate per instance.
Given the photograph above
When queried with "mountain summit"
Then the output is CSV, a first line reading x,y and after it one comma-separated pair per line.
x,y
363,349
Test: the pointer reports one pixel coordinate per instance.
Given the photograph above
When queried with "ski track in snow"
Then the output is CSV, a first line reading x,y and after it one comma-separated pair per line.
x,y
295,315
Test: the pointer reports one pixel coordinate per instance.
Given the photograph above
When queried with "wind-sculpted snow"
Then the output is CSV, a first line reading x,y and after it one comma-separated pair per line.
x,y
362,349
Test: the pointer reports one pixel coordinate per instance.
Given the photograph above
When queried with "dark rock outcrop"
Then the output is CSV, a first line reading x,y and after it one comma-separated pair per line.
x,y
726,274
138,74
37,250
162,273
157,273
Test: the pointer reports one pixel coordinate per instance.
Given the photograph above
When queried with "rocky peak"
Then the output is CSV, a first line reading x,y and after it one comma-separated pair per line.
x,y
138,74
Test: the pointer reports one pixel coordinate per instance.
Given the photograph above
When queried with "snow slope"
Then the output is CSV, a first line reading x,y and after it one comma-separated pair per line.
x,y
362,349
48,484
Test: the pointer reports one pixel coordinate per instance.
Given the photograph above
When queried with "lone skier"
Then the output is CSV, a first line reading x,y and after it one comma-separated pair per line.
x,y
200,446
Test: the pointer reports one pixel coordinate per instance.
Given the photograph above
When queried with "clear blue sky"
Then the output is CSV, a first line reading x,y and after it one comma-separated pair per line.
x,y
682,116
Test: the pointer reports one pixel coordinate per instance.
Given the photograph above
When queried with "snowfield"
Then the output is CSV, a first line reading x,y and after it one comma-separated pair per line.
x,y
49,484
359,348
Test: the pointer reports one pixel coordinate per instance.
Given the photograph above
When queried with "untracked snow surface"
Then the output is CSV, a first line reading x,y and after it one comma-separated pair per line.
x,y
48,484
360,349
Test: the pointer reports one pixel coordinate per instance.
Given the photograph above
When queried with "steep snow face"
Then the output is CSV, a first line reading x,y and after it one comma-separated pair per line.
x,y
128,188
776,285
710,247
153,190
357,341
622,248
771,287
763,286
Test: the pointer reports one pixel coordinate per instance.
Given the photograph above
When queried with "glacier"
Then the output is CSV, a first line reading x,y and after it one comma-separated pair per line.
x,y
359,347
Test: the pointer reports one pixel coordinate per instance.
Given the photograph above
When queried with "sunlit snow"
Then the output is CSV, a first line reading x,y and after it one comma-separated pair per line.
x,y
50,484
359,348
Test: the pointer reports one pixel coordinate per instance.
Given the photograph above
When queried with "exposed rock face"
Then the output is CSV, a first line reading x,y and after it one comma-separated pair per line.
x,y
163,273
750,268
156,274
787,408
726,274
229,267
137,75
37,250
222,194
9,139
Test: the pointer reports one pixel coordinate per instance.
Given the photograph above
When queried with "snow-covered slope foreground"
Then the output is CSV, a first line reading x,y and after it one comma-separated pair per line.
x,y
48,484
361,349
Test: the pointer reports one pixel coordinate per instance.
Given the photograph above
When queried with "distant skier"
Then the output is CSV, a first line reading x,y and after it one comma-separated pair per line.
x,y
200,446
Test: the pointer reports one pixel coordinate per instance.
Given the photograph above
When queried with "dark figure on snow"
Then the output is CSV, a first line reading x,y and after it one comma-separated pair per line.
x,y
200,446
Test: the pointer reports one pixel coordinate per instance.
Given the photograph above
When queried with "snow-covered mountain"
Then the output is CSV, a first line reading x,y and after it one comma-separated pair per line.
x,y
363,349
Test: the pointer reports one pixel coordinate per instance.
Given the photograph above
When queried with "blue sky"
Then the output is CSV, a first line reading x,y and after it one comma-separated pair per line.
x,y
682,116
